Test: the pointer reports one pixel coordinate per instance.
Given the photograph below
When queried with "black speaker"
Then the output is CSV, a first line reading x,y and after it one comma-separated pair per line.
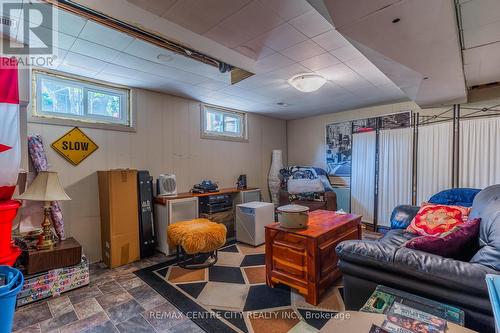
x,y
146,223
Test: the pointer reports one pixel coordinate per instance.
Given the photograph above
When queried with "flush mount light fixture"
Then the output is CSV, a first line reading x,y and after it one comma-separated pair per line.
x,y
307,82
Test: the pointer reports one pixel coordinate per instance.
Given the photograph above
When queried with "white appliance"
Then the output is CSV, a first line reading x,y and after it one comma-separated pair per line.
x,y
173,211
245,196
251,218
167,184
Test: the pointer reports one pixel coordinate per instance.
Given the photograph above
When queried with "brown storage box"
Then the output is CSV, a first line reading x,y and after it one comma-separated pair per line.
x,y
119,217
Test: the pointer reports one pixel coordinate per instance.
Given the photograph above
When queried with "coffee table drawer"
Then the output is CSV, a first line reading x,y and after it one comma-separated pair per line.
x,y
289,261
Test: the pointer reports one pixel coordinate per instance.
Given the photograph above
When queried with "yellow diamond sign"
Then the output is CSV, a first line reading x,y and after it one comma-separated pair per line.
x,y
74,146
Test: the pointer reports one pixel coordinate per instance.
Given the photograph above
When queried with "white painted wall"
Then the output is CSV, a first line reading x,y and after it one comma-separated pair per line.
x,y
167,140
306,137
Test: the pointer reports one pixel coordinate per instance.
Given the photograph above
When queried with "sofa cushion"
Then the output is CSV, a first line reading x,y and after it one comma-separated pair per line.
x,y
397,237
487,206
402,216
455,196
304,185
433,220
455,245
304,172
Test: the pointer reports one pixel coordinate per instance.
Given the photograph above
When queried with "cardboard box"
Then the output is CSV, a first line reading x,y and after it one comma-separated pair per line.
x,y
119,216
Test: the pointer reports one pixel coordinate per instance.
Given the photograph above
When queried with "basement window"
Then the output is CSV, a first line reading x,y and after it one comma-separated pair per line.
x,y
223,124
67,100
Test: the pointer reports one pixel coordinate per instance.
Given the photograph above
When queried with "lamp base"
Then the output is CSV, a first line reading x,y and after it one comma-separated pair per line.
x,y
44,244
45,241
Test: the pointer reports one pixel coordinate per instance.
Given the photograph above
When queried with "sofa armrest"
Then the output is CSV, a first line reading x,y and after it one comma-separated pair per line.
x,y
448,272
402,215
445,272
331,201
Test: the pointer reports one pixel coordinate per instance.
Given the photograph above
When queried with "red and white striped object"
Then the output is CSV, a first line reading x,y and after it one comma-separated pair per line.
x,y
10,148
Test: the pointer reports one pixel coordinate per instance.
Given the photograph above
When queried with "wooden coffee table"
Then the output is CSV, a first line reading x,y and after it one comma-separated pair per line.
x,y
305,259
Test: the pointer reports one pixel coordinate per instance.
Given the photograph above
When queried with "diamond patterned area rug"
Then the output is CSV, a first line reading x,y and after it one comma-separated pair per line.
x,y
232,296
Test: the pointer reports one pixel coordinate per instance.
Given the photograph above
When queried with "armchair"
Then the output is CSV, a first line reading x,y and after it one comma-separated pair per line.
x,y
329,201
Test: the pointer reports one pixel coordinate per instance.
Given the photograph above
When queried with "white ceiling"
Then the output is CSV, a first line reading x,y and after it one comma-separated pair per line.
x,y
480,23
282,37
420,52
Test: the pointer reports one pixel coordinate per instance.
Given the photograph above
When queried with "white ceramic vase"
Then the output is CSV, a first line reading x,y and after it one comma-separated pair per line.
x,y
273,178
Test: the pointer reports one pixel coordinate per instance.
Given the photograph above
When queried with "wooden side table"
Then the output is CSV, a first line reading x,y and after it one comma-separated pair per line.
x,y
305,259
65,253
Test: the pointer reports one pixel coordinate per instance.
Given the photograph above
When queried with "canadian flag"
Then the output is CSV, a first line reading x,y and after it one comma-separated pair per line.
x,y
10,149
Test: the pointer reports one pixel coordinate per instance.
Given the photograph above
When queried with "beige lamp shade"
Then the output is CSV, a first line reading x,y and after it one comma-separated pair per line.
x,y
45,187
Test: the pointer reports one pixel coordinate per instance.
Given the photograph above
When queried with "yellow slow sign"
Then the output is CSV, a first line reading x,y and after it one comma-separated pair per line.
x,y
74,146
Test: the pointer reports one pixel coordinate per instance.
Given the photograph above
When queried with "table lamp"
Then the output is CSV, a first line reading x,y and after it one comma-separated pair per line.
x,y
47,188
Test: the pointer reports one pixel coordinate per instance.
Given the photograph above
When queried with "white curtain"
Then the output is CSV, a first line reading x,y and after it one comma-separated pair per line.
x,y
479,152
395,171
434,161
363,175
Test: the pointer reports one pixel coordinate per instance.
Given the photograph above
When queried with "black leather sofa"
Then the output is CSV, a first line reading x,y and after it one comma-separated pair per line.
x,y
461,283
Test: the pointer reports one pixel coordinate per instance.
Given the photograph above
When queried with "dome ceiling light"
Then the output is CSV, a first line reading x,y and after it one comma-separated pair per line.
x,y
307,82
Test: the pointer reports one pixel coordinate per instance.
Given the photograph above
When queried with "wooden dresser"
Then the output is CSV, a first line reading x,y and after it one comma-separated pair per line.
x,y
305,259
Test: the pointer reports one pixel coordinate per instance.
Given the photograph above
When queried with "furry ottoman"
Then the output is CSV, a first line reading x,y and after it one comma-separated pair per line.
x,y
197,236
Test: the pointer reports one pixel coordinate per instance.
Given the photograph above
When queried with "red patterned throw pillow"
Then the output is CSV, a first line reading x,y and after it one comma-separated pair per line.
x,y
434,220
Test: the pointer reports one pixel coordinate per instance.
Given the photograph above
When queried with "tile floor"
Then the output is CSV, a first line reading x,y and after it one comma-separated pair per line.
x,y
114,301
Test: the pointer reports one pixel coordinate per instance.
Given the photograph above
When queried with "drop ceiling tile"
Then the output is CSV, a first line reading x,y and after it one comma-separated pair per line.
x,y
102,35
201,16
481,64
68,23
272,62
65,22
479,13
146,50
77,70
257,81
157,7
287,72
303,50
339,73
282,37
311,24
346,53
331,40
81,64
59,55
58,39
168,72
97,51
255,49
289,9
482,35
320,61
241,27
114,69
150,52
122,80
212,85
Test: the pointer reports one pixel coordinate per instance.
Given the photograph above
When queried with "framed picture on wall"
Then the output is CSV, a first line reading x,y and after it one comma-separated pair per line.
x,y
338,150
